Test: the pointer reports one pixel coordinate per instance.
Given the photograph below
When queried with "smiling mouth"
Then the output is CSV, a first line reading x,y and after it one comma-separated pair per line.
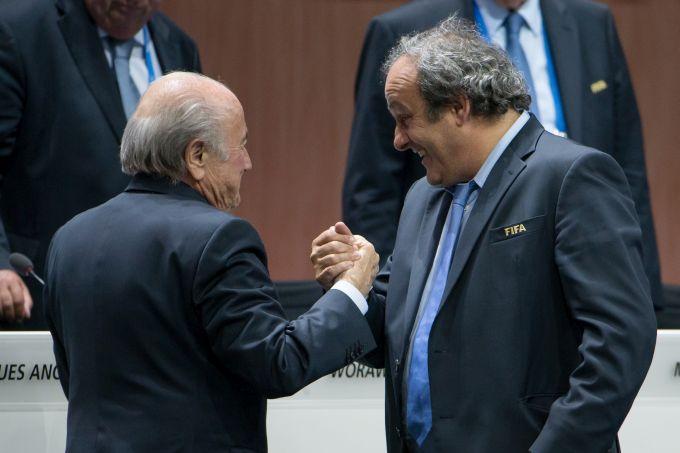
x,y
421,154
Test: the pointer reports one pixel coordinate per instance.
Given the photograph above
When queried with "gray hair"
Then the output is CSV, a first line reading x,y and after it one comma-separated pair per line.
x,y
154,143
452,59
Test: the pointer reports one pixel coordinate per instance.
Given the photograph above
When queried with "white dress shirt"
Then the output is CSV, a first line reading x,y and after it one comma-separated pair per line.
x,y
353,293
138,69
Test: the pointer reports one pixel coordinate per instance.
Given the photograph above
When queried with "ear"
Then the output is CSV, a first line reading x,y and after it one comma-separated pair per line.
x,y
461,109
195,155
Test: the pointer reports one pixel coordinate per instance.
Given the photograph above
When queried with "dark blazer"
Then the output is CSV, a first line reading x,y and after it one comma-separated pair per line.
x,y
167,330
544,336
62,120
585,48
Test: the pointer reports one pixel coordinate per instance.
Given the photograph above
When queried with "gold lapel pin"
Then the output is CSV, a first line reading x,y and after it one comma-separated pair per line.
x,y
598,86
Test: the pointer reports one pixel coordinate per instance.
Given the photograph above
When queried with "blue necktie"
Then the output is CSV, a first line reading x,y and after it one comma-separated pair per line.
x,y
129,94
513,24
418,403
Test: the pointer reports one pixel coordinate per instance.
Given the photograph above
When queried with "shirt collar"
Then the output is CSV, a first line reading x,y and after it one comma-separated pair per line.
x,y
497,151
494,15
144,182
138,37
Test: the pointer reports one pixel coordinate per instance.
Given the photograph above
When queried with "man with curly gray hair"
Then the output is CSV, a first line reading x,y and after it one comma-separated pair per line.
x,y
571,56
514,314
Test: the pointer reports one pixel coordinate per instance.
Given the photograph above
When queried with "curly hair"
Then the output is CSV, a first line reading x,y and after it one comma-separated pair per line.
x,y
453,60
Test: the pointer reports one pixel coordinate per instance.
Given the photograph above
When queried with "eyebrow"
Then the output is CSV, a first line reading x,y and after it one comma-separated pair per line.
x,y
396,106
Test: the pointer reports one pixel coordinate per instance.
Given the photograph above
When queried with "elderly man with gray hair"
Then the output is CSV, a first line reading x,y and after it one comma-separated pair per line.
x,y
167,330
514,314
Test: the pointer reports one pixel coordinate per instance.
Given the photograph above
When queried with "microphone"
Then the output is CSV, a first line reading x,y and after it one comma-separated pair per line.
x,y
23,266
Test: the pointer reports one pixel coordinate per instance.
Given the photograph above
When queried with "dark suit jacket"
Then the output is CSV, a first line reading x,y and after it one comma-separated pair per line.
x,y
544,336
167,330
62,120
585,48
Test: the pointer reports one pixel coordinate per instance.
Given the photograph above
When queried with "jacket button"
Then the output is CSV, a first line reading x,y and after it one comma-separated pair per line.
x,y
396,367
396,428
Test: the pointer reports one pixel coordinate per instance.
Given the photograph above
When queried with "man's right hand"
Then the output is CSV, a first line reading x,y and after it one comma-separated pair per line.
x,y
15,299
362,274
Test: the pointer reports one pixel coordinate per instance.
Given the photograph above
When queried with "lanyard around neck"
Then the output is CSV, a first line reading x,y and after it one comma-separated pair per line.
x,y
147,56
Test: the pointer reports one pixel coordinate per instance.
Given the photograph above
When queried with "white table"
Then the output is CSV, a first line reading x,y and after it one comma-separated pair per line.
x,y
342,412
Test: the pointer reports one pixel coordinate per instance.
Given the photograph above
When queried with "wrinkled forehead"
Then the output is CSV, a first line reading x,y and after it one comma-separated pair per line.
x,y
401,82
404,68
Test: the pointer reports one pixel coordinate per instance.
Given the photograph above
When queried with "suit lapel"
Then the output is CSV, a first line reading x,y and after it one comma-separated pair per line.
x,y
428,239
564,42
167,51
503,174
80,35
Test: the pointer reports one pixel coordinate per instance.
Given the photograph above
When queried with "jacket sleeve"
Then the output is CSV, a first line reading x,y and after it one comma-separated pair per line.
x,y
598,256
246,326
54,323
377,177
11,108
628,151
376,316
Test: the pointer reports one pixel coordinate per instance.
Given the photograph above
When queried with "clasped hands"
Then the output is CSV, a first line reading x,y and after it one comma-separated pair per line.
x,y
337,254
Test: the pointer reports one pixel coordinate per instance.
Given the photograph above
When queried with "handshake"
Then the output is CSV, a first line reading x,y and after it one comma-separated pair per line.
x,y
337,254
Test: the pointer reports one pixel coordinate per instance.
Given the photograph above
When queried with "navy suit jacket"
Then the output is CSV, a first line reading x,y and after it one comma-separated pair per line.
x,y
545,332
585,48
167,330
62,120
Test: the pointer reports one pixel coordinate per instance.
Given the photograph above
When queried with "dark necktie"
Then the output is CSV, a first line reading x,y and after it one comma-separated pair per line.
x,y
513,25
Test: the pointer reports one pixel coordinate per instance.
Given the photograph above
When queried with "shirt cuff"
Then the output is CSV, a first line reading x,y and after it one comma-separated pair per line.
x,y
353,293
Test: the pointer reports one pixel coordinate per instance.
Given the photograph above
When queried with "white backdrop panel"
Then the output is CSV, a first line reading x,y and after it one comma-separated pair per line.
x,y
338,413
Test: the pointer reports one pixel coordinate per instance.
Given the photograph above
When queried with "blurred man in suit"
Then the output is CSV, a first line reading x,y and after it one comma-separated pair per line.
x,y
71,72
514,314
570,55
167,331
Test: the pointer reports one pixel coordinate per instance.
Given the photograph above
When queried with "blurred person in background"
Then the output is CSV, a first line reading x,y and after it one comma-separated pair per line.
x,y
71,73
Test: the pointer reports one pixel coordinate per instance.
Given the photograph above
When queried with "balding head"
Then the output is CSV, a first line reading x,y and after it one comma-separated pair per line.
x,y
189,128
168,92
177,109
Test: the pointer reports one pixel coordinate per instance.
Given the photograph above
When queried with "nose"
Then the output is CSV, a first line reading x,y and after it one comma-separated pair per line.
x,y
247,163
401,139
